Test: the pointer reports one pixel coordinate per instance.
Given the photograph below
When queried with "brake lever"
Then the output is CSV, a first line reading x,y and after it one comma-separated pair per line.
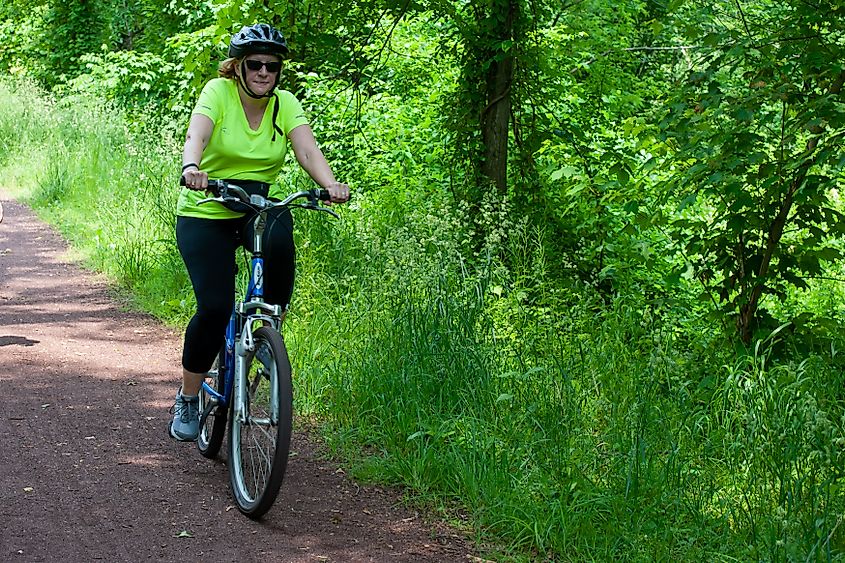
x,y
313,207
327,210
208,199
315,199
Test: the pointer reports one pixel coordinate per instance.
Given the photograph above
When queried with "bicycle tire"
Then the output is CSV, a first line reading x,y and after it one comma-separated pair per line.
x,y
258,447
211,434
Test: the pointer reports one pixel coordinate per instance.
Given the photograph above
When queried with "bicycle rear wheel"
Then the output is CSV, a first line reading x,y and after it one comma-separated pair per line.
x,y
259,442
214,428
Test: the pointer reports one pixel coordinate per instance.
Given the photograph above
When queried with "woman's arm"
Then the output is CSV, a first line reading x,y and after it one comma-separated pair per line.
x,y
200,129
311,159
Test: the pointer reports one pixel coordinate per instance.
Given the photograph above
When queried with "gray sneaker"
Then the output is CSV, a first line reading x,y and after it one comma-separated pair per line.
x,y
186,418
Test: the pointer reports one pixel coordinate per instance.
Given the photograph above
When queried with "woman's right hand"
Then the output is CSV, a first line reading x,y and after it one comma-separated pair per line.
x,y
338,191
195,179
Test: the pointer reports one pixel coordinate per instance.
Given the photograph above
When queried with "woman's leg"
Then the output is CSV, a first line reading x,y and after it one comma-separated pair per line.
x,y
208,249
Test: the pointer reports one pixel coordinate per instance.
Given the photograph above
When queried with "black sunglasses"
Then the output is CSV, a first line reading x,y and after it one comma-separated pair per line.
x,y
255,66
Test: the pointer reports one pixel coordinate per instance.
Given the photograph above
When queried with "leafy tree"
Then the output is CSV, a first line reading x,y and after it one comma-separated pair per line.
x,y
71,28
757,127
18,24
583,122
145,25
485,38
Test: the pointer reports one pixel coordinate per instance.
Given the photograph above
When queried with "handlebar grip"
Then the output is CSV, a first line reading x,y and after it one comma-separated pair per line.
x,y
323,195
213,185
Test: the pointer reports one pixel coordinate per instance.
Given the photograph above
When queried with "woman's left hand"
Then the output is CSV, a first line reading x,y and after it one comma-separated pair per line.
x,y
338,192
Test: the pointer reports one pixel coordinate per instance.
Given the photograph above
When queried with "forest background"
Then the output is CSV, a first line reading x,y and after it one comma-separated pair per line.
x,y
586,302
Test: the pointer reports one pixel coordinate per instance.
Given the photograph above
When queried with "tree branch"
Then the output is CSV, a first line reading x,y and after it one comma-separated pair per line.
x,y
563,10
606,53
744,21
779,222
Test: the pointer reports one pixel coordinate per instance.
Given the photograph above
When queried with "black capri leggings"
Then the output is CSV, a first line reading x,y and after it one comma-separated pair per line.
x,y
208,248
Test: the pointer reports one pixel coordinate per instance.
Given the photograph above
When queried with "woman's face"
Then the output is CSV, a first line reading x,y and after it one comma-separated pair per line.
x,y
260,72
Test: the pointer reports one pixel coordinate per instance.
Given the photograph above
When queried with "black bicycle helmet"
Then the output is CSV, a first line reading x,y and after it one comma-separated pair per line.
x,y
259,38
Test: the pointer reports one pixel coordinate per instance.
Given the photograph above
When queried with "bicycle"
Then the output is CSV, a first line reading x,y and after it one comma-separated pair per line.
x,y
248,389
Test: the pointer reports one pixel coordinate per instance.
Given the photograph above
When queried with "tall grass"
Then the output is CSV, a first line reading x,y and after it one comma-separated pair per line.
x,y
110,188
563,426
553,422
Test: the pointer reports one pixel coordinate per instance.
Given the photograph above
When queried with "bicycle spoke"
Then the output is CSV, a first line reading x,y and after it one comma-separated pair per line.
x,y
271,437
260,459
260,442
214,427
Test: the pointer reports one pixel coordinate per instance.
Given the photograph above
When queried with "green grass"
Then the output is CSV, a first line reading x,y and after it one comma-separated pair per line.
x,y
569,428
111,191
548,420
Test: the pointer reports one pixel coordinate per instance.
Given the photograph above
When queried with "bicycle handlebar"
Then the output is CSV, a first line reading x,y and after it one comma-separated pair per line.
x,y
225,191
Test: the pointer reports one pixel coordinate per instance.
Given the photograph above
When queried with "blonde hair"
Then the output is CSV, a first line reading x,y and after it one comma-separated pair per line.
x,y
226,69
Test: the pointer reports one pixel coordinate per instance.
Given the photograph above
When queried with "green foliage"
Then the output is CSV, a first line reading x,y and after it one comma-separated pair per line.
x,y
15,34
198,53
533,358
145,25
70,29
135,82
756,131
583,128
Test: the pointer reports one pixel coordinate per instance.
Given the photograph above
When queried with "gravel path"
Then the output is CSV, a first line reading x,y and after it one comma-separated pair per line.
x,y
88,472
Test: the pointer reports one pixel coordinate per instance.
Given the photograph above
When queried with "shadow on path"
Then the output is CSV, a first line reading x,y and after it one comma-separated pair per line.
x,y
88,472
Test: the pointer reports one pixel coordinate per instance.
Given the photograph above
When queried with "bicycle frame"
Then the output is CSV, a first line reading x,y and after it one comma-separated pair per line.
x,y
252,310
239,340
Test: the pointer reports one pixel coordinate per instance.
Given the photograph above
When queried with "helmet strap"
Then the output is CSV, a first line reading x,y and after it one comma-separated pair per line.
x,y
276,127
270,94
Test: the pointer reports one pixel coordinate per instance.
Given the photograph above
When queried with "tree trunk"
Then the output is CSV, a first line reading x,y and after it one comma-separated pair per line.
x,y
495,123
748,312
496,116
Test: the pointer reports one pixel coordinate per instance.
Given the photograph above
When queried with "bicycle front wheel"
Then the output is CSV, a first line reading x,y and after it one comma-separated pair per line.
x,y
259,439
214,426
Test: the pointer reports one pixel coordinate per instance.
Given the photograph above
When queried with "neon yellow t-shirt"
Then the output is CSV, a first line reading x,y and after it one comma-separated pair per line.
x,y
235,151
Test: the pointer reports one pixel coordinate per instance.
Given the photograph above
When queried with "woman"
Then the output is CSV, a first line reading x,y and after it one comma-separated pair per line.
x,y
239,131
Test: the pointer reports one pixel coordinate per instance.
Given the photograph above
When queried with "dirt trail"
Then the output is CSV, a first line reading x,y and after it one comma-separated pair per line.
x,y
87,471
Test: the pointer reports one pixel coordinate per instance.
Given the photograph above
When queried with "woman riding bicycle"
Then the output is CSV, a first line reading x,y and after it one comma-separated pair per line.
x,y
239,131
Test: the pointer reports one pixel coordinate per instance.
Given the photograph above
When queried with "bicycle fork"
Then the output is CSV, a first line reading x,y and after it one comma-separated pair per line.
x,y
245,347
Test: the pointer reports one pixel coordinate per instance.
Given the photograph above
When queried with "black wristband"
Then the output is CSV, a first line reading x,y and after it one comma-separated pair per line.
x,y
186,166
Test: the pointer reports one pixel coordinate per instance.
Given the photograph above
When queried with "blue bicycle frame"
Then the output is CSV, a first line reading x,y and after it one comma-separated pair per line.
x,y
251,309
